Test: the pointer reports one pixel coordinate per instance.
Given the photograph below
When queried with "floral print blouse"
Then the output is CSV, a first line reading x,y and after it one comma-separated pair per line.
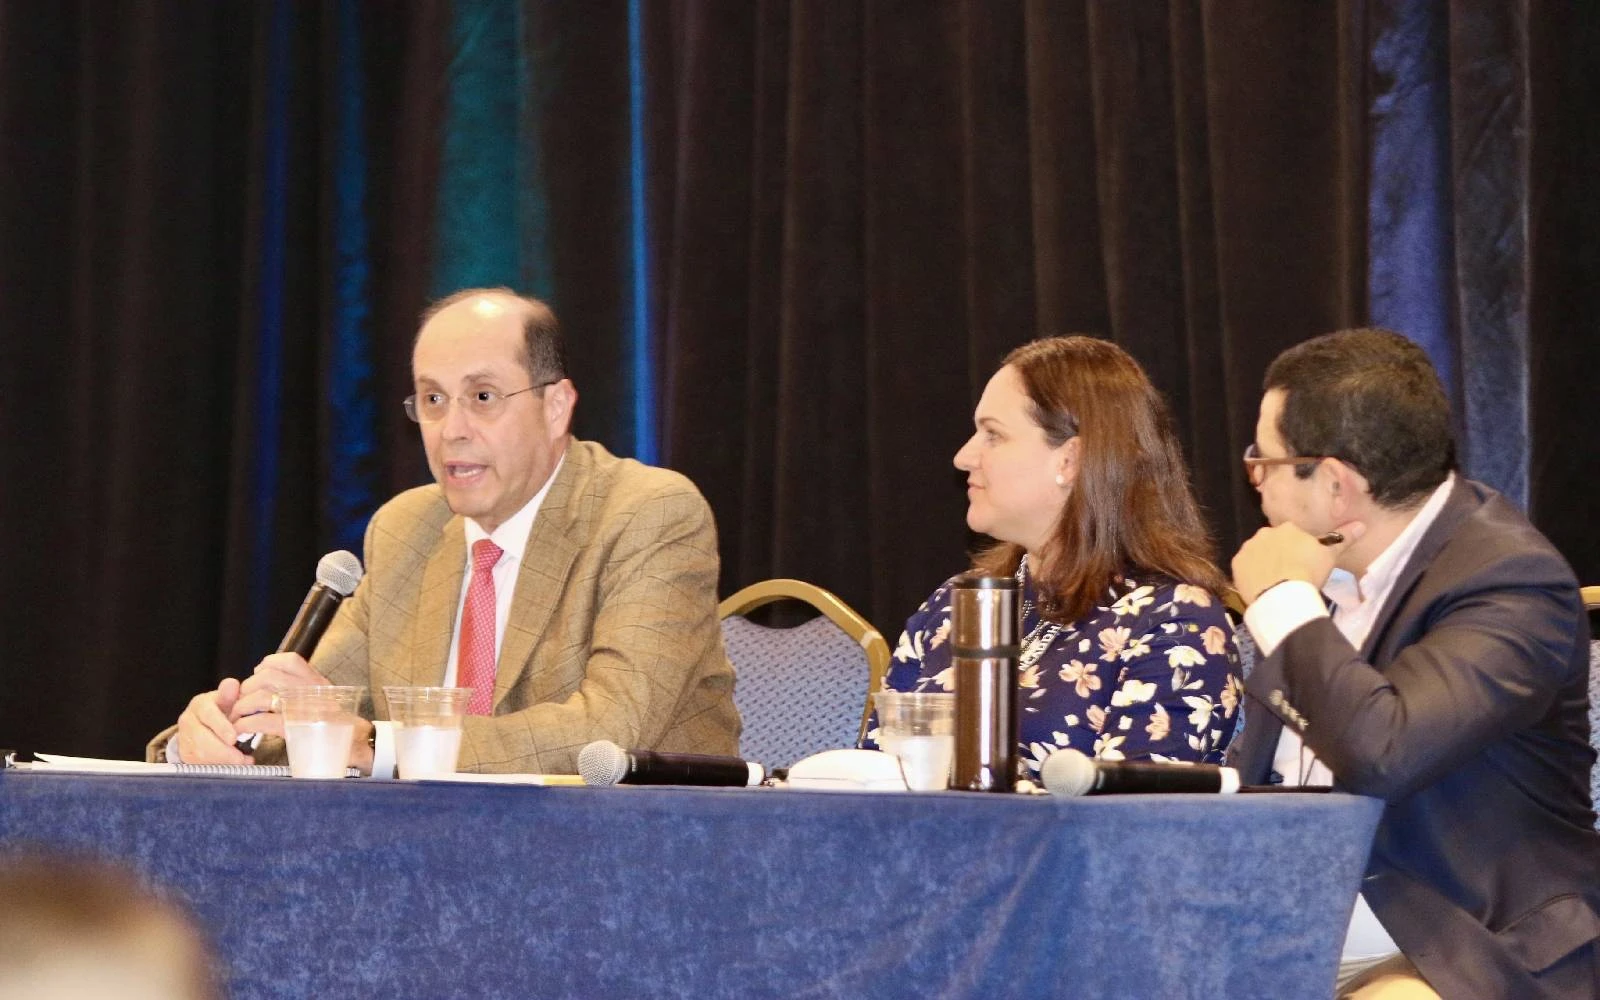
x,y
1151,673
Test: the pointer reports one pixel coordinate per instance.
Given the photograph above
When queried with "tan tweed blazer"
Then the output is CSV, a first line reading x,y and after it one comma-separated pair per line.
x,y
613,632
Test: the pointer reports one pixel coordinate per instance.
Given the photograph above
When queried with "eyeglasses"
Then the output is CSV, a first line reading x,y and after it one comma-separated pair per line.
x,y
1255,466
483,404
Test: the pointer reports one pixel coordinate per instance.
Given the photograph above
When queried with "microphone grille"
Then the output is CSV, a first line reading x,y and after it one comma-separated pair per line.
x,y
339,572
1067,772
602,763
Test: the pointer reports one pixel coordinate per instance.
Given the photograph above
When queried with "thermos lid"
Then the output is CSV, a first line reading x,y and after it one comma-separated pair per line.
x,y
977,581
983,616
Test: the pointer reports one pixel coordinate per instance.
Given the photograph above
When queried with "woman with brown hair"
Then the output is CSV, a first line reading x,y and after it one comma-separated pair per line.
x,y
1126,649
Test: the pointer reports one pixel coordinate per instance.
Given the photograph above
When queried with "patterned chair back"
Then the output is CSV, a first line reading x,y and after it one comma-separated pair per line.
x,y
804,689
1594,723
1247,661
1591,601
1246,644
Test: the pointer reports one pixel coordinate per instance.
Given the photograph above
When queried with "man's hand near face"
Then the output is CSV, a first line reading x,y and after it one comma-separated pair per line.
x,y
1286,552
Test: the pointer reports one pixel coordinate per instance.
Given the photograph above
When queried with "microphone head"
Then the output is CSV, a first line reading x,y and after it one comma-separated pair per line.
x,y
602,763
1067,772
339,572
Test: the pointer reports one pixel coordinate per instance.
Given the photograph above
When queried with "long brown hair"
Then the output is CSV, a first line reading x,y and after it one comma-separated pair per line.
x,y
1131,506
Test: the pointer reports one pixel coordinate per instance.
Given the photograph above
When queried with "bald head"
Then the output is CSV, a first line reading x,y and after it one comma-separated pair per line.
x,y
545,354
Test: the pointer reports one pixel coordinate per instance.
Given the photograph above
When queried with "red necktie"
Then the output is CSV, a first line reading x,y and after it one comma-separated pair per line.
x,y
475,659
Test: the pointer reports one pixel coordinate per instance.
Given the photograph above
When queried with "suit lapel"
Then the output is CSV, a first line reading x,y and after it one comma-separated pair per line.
x,y
436,608
1456,509
542,577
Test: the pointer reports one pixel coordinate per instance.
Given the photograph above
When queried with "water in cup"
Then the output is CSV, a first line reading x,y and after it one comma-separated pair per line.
x,y
423,751
427,728
319,749
925,760
919,728
319,724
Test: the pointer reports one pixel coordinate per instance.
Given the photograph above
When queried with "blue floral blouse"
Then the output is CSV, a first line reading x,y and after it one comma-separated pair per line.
x,y
1152,673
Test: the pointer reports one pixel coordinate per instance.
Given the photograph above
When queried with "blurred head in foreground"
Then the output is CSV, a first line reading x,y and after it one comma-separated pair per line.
x,y
72,928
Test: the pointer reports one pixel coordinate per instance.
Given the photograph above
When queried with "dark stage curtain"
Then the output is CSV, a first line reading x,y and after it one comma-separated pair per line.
x,y
789,242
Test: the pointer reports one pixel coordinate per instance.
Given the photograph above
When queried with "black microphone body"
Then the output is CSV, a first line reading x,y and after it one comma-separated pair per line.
x,y
604,763
1068,772
311,621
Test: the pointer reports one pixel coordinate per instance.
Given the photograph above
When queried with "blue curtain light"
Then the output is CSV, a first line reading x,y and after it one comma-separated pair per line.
x,y
477,241
644,372
269,332
353,419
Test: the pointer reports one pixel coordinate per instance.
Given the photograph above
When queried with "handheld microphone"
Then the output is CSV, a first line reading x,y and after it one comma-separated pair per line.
x,y
1068,772
604,763
337,576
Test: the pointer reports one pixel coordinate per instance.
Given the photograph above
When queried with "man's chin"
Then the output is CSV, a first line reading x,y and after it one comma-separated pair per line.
x,y
466,502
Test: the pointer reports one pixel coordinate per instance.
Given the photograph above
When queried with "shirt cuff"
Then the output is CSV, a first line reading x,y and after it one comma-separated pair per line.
x,y
169,753
1280,610
383,750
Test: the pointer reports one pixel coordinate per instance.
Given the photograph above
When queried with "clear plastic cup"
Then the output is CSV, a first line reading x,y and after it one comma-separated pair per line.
x,y
919,728
319,724
427,735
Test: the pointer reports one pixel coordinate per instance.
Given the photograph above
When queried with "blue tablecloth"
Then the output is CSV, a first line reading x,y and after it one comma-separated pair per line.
x,y
397,890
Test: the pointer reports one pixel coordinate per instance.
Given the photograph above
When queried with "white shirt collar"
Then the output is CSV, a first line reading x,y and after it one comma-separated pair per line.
x,y
512,535
1348,593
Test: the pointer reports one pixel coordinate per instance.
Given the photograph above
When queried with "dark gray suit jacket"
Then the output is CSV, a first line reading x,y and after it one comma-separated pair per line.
x,y
1466,711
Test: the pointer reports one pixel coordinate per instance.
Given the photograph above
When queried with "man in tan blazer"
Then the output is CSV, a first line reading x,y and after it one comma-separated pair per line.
x,y
606,624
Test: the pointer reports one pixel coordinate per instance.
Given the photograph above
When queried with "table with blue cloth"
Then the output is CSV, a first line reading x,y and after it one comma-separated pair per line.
x,y
364,888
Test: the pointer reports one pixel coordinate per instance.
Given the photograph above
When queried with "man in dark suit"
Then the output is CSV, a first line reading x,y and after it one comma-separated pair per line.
x,y
1422,643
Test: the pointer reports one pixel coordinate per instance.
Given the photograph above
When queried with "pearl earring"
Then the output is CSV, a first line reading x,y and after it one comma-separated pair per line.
x,y
1060,479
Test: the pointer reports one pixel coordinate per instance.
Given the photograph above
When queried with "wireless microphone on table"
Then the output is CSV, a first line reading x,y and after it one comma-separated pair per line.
x,y
604,763
1068,772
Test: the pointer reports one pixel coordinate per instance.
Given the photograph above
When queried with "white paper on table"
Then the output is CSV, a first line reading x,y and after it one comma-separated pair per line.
x,y
97,765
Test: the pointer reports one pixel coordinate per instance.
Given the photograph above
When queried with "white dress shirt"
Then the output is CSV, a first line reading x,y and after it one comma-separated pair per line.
x,y
1286,607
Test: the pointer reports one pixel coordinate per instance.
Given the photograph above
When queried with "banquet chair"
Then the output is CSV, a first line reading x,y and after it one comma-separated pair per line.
x,y
1233,602
1591,601
1244,641
804,689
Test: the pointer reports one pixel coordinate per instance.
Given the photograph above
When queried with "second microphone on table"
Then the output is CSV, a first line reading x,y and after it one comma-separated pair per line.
x,y
604,763
1068,772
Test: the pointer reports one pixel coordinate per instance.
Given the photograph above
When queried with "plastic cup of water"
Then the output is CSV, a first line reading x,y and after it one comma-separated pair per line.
x,y
427,737
319,724
919,728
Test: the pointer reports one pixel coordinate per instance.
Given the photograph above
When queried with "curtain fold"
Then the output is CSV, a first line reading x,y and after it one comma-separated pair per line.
x,y
119,284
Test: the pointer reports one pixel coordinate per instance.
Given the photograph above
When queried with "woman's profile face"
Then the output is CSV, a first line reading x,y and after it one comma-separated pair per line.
x,y
1012,493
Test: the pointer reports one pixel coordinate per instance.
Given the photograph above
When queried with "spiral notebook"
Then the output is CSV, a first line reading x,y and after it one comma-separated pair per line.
x,y
96,765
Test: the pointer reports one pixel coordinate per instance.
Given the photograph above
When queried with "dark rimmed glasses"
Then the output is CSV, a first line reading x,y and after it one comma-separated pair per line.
x,y
1255,465
483,404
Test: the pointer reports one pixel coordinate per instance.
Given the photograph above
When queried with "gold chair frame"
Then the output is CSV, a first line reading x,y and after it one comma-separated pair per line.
x,y
836,611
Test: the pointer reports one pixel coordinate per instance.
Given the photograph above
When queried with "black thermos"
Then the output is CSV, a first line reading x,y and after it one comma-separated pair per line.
x,y
984,654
